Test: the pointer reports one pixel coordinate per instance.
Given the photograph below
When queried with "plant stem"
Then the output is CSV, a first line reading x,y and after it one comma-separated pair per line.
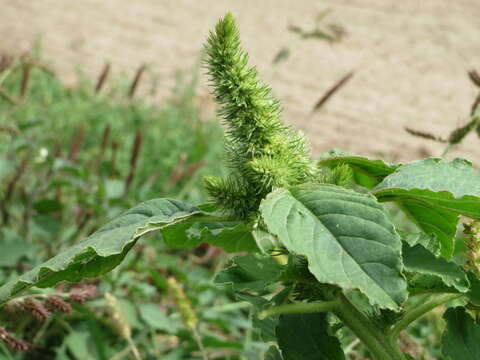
x,y
351,346
198,340
300,308
377,342
446,150
418,311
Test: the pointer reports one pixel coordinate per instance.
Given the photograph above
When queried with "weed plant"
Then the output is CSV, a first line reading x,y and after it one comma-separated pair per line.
x,y
327,270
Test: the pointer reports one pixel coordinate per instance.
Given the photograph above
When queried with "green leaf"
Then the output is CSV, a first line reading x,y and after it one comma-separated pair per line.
x,y
306,337
14,248
417,259
474,293
266,242
273,354
6,167
156,318
461,340
106,248
47,206
346,236
233,236
265,328
440,223
251,272
433,192
79,344
457,177
367,172
428,241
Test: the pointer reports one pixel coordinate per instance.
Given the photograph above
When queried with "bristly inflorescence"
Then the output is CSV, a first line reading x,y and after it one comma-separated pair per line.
x,y
262,152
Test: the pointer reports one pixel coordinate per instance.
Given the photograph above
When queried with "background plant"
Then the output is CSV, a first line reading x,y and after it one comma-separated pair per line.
x,y
74,157
327,262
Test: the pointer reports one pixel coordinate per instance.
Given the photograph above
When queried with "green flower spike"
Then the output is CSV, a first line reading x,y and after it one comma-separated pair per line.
x,y
263,153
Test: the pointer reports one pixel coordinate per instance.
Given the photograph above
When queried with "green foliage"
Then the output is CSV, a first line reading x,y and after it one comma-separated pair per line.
x,y
321,243
367,172
298,340
433,193
106,248
462,338
251,272
70,185
424,265
346,236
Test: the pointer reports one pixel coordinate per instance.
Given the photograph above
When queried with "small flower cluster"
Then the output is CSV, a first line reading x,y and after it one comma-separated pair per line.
x,y
472,242
183,303
12,342
41,306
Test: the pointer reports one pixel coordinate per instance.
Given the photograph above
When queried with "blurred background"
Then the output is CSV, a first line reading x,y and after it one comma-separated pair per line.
x,y
410,58
104,104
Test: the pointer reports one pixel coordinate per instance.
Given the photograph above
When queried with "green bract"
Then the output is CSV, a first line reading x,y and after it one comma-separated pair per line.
x,y
319,236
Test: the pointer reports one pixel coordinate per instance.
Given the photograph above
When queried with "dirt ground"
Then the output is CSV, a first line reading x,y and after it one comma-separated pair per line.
x,y
410,58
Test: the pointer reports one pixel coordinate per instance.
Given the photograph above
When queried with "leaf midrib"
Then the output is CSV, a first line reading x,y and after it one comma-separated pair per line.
x,y
343,248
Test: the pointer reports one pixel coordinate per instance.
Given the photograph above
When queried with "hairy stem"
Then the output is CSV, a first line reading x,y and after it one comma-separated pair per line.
x,y
417,312
300,308
377,342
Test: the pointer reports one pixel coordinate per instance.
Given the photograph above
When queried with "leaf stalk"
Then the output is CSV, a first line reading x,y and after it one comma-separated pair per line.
x,y
300,308
417,312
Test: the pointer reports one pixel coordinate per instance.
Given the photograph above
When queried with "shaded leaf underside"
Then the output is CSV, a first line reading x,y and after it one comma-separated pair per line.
x,y
367,172
305,337
251,272
461,340
417,259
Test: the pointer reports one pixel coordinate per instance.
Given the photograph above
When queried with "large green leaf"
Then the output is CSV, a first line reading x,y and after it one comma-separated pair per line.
x,y
305,337
461,340
106,248
419,260
433,192
346,236
367,172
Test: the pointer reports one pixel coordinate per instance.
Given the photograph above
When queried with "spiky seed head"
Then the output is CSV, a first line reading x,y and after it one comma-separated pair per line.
x,y
262,151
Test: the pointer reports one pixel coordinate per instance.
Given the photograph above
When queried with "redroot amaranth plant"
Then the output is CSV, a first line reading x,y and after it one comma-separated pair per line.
x,y
323,248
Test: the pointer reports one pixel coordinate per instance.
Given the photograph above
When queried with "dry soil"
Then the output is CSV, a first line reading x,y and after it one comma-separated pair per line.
x,y
410,58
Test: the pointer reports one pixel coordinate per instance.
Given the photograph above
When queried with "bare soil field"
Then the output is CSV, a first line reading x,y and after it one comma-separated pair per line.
x,y
410,59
